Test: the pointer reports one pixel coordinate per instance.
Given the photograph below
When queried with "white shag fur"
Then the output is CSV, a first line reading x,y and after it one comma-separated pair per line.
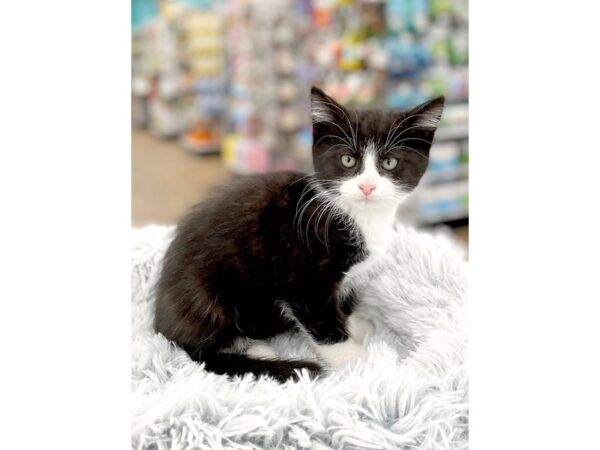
x,y
411,391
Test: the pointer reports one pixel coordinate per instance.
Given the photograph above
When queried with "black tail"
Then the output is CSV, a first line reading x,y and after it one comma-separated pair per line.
x,y
234,364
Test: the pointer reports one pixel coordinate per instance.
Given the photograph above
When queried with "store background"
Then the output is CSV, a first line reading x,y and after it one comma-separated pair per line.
x,y
220,88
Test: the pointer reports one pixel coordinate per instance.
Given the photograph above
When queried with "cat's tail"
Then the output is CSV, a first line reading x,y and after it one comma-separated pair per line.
x,y
236,364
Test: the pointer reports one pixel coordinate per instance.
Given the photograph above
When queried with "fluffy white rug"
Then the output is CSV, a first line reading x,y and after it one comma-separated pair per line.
x,y
411,392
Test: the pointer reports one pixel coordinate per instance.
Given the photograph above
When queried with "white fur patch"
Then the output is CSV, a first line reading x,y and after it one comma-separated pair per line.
x,y
340,354
321,114
261,351
319,110
430,117
359,328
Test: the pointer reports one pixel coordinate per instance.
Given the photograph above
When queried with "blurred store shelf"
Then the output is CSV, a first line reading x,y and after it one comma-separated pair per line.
x,y
452,132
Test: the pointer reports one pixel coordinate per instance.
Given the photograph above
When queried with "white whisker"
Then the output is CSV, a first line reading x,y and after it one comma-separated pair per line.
x,y
394,139
394,128
347,119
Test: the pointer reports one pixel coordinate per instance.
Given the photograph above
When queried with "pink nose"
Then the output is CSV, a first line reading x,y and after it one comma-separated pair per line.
x,y
367,188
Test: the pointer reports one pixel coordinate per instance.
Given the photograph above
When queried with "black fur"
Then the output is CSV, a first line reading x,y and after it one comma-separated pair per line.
x,y
242,264
237,258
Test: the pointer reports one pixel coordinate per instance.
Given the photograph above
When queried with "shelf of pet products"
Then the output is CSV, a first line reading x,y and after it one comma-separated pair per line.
x,y
441,204
437,203
204,57
178,80
442,195
268,116
156,87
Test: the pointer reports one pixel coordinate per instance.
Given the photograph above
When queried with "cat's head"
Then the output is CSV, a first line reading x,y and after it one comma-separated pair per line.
x,y
371,159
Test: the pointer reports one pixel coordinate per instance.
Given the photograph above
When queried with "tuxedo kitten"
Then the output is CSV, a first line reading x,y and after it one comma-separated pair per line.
x,y
274,253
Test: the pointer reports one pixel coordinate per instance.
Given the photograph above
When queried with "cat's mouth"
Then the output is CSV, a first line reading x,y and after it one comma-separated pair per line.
x,y
366,201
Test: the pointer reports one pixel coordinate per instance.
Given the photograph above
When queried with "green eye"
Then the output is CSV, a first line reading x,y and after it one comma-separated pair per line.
x,y
348,161
389,163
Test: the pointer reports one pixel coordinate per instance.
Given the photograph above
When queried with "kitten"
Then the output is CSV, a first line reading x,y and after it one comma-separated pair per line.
x,y
273,253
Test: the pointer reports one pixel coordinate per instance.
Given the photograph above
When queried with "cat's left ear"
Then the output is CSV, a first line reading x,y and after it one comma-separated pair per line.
x,y
425,116
323,108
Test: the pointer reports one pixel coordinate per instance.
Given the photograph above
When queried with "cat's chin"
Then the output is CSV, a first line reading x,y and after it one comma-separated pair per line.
x,y
371,203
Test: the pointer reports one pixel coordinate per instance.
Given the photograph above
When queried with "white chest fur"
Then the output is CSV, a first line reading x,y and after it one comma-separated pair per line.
x,y
376,228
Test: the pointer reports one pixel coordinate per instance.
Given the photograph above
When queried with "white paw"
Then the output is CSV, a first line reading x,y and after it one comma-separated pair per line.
x,y
359,328
261,351
340,354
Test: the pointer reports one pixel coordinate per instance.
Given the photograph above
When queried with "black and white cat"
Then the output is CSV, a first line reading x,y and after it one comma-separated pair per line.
x,y
273,253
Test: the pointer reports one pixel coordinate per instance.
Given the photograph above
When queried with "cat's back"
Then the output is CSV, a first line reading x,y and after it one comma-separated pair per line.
x,y
236,210
247,196
231,223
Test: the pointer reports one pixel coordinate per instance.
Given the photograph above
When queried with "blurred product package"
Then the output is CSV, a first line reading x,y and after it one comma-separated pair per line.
x,y
270,76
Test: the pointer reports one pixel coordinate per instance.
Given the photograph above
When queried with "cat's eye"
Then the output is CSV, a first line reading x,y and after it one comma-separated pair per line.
x,y
390,163
348,161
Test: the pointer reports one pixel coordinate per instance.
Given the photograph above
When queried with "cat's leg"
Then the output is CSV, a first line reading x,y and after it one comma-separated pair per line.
x,y
340,354
359,328
326,324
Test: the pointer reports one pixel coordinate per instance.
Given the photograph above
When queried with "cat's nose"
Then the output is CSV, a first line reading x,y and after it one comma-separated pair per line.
x,y
367,188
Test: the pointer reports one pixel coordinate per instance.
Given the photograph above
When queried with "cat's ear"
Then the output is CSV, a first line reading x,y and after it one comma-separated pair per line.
x,y
323,108
425,116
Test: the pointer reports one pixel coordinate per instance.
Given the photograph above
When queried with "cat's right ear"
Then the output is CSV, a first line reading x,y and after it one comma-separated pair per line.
x,y
323,108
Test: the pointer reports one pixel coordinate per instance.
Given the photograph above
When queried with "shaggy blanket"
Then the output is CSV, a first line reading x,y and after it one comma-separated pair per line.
x,y
411,391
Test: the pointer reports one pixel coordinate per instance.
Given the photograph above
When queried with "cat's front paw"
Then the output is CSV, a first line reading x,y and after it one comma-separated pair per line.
x,y
342,353
359,328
